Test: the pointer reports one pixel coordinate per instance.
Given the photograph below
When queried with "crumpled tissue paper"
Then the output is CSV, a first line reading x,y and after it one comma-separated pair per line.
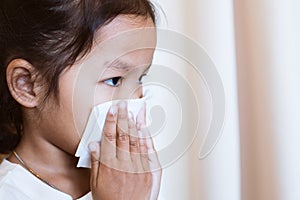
x,y
95,124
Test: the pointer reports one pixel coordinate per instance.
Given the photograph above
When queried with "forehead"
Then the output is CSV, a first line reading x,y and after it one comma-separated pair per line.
x,y
125,24
130,40
127,41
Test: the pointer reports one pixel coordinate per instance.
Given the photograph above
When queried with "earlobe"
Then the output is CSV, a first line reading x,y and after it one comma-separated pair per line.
x,y
23,84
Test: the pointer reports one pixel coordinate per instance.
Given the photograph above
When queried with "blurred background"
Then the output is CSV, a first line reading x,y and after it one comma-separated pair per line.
x,y
255,47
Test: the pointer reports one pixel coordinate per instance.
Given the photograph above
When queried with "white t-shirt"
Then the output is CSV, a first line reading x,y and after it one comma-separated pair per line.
x,y
16,183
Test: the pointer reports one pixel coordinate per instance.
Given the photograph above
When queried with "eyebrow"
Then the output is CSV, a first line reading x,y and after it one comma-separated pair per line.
x,y
121,66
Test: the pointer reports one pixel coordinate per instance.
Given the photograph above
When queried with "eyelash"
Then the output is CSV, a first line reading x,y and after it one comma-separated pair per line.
x,y
113,80
118,81
140,79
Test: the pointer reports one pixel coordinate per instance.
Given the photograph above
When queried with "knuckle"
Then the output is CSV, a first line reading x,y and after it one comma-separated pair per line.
x,y
144,151
135,158
133,143
131,124
109,135
122,115
144,156
143,145
122,132
123,137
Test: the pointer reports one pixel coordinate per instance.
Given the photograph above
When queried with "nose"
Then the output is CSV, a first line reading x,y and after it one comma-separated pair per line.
x,y
137,93
131,92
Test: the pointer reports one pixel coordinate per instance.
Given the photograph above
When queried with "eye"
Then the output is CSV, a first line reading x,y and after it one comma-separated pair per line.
x,y
114,82
140,79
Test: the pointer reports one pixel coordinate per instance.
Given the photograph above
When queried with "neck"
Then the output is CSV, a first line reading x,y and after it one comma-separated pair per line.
x,y
38,152
52,164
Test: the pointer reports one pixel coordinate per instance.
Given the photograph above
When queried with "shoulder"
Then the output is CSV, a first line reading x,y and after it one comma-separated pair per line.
x,y
7,190
6,169
16,183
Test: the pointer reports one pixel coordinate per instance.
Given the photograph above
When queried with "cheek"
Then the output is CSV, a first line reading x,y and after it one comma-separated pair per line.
x,y
130,90
66,95
103,93
58,125
65,110
83,102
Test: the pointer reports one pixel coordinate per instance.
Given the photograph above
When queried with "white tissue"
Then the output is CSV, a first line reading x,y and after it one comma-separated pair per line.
x,y
95,124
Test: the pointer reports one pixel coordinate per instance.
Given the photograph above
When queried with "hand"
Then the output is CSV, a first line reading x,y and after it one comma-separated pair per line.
x,y
125,165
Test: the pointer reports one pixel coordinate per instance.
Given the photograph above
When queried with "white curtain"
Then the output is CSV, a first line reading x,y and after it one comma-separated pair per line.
x,y
255,46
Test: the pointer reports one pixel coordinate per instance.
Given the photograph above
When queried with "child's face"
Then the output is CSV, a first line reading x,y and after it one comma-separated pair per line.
x,y
113,70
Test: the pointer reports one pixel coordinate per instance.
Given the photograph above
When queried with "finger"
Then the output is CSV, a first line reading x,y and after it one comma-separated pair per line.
x,y
143,151
95,161
133,136
141,124
152,154
108,142
122,132
154,164
134,146
156,182
141,117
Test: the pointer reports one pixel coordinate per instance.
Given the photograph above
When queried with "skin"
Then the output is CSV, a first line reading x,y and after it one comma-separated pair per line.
x,y
52,131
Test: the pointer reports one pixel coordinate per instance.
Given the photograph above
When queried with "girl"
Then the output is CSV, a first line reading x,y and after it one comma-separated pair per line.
x,y
43,45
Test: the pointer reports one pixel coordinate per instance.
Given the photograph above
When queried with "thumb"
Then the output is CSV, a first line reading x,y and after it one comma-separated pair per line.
x,y
94,148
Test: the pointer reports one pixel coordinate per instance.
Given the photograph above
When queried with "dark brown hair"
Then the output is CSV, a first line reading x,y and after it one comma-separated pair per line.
x,y
51,35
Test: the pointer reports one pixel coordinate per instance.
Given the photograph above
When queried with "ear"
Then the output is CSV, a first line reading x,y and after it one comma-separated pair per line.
x,y
23,83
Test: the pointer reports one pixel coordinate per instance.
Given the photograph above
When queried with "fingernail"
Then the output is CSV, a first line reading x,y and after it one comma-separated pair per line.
x,y
93,147
130,115
113,110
